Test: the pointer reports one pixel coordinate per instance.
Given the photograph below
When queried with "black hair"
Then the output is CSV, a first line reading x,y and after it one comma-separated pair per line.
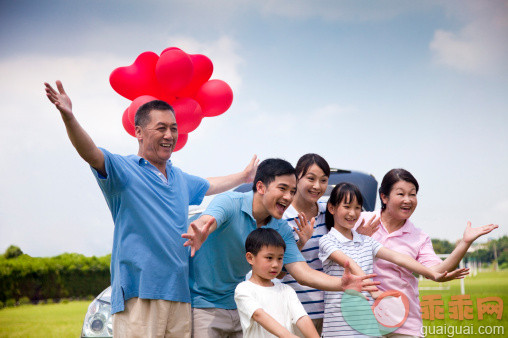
x,y
343,192
142,117
263,237
392,177
271,168
307,160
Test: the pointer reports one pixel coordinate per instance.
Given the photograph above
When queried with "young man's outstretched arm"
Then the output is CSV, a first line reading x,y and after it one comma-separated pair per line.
x,y
305,275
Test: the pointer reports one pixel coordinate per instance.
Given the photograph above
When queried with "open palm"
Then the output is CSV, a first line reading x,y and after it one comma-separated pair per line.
x,y
60,99
471,234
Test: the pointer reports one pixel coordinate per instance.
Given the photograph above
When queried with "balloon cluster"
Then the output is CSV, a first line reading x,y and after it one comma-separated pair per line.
x,y
180,79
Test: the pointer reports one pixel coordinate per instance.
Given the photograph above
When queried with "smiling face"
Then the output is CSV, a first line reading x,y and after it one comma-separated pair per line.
x,y
313,184
402,201
158,137
266,264
345,214
273,200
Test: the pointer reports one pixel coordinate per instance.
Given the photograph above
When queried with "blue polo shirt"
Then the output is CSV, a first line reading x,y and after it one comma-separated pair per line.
x,y
150,214
220,264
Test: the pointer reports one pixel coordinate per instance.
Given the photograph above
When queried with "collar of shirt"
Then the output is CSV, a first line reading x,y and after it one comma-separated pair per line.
x,y
340,237
408,227
247,208
144,163
247,204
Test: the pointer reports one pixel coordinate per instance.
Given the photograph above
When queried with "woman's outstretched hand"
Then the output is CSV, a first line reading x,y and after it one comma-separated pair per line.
x,y
471,234
370,227
447,276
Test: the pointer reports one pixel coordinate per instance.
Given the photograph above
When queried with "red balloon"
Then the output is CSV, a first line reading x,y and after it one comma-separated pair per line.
x,y
137,79
203,69
214,97
128,126
182,140
139,101
173,71
168,98
188,114
169,48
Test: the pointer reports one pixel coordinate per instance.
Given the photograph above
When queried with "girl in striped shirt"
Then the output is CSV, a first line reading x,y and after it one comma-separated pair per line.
x,y
343,244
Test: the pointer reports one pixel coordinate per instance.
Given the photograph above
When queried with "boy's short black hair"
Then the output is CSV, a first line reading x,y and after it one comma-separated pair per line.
x,y
263,237
271,168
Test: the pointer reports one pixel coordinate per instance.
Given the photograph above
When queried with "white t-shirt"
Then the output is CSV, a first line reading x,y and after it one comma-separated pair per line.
x,y
279,301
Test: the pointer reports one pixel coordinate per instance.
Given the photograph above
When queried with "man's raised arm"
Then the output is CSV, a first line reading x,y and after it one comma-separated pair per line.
x,y
223,183
80,139
305,275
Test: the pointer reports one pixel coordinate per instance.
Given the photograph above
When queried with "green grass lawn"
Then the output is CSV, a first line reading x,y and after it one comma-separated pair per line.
x,y
485,284
65,320
50,320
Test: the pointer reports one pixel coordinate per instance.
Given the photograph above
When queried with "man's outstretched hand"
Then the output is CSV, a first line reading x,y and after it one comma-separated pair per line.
x,y
196,235
357,283
250,170
60,99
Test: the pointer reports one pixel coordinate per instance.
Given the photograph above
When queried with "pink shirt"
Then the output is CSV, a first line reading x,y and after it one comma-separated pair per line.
x,y
411,241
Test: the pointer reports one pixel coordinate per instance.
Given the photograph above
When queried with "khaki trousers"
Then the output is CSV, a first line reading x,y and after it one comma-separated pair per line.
x,y
153,318
216,323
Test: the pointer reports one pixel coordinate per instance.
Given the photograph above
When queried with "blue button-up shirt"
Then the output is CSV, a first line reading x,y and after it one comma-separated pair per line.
x,y
150,214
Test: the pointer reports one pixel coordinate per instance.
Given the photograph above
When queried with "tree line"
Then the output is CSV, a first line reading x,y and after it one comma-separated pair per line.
x,y
68,275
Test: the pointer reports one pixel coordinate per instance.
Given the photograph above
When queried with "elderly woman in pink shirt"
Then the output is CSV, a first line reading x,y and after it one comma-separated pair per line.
x,y
398,201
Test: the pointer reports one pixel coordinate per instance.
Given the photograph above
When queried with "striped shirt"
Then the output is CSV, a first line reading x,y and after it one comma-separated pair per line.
x,y
312,299
362,249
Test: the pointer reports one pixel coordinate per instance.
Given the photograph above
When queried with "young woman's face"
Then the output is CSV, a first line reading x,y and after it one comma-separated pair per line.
x,y
402,201
345,214
313,184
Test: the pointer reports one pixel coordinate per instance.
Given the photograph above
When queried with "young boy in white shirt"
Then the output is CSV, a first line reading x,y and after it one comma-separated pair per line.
x,y
269,309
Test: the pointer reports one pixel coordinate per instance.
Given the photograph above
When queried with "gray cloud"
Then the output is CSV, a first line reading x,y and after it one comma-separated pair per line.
x,y
480,46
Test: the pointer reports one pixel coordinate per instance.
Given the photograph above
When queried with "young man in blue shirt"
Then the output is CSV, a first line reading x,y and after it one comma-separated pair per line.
x,y
148,198
219,265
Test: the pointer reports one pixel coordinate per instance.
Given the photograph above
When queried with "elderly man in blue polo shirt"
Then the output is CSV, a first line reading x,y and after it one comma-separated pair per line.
x,y
148,198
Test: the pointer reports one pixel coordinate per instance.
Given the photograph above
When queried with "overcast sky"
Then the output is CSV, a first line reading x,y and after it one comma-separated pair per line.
x,y
370,86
